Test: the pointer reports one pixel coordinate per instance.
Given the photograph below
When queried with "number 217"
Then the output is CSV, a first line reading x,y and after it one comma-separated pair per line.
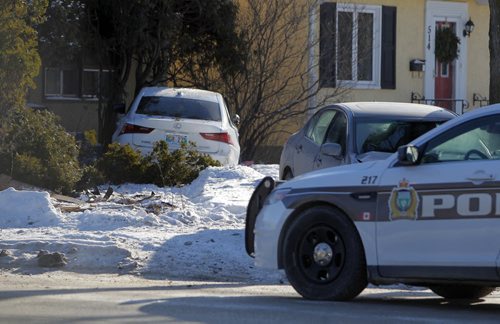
x,y
368,179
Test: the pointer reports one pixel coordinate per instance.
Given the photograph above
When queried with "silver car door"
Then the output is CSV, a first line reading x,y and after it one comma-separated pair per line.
x,y
337,134
308,145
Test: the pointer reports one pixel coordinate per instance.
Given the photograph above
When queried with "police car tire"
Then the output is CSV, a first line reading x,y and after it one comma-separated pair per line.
x,y
461,291
351,278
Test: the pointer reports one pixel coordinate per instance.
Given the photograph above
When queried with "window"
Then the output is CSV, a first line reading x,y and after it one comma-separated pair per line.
x,y
63,83
52,82
319,125
475,140
388,135
60,82
357,46
337,132
179,108
93,82
90,83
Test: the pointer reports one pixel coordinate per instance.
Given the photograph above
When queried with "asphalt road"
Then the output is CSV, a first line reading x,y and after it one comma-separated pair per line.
x,y
66,297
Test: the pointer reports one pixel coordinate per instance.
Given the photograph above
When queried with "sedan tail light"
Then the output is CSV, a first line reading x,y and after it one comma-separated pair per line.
x,y
131,128
219,137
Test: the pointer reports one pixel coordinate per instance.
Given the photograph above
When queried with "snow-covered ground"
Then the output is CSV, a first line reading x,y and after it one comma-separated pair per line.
x,y
193,232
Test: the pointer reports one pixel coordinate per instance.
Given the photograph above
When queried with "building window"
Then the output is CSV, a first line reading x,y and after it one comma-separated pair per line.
x,y
61,82
52,82
357,46
359,39
65,83
95,83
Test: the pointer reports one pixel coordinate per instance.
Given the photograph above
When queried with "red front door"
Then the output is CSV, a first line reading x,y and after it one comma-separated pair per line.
x,y
443,80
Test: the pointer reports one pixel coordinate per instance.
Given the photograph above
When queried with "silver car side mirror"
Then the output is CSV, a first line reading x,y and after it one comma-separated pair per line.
x,y
331,149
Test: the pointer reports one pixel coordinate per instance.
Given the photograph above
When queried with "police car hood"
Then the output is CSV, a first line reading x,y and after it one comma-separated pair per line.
x,y
346,175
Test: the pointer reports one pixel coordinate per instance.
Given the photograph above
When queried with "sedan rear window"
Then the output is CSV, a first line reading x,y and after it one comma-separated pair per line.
x,y
388,135
179,108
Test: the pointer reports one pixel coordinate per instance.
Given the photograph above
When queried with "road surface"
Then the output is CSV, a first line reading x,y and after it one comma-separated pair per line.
x,y
60,297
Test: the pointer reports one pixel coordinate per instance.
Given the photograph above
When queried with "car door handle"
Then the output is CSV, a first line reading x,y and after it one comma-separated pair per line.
x,y
298,148
485,178
480,177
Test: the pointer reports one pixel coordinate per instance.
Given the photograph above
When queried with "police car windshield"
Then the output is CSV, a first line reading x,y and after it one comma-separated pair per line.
x,y
388,135
179,108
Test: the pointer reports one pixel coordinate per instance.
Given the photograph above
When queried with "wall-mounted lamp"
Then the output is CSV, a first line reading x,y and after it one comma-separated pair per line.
x,y
468,28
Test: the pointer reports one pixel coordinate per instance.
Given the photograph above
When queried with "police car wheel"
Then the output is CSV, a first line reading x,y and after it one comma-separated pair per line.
x,y
323,255
461,291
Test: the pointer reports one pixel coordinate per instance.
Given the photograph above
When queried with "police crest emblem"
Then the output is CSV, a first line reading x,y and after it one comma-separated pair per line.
x,y
403,202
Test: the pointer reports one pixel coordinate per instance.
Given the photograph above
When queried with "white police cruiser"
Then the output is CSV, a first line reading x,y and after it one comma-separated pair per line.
x,y
429,215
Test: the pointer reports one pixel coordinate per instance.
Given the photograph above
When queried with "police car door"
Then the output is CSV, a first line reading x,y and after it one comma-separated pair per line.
x,y
441,217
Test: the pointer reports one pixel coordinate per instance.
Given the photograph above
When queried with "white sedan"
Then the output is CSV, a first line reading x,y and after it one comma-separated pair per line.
x,y
429,215
180,115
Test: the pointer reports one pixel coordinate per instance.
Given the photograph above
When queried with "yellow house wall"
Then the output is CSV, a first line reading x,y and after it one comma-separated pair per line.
x,y
410,45
478,74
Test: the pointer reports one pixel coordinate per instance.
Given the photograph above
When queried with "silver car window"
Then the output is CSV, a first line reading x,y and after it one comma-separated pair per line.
x,y
388,135
179,108
338,131
319,125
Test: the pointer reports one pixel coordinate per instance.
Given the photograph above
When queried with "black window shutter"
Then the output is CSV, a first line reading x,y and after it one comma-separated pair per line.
x,y
327,59
388,68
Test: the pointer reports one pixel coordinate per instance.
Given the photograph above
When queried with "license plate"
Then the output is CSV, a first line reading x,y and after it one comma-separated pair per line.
x,y
175,139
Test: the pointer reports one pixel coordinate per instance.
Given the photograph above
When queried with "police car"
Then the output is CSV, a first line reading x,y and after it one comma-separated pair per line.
x,y
428,215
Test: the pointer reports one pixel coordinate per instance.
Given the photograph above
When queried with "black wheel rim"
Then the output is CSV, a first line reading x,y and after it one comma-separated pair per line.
x,y
321,254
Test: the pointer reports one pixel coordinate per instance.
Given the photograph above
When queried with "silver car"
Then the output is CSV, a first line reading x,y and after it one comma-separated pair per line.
x,y
355,132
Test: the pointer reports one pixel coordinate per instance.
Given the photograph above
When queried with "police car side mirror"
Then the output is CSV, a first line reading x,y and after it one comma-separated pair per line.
x,y
407,155
331,149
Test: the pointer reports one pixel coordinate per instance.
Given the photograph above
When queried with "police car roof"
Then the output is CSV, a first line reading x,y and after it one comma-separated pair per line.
x,y
399,109
187,93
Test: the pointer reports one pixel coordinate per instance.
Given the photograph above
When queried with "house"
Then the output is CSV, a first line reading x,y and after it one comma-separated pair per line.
x,y
71,91
376,50
386,50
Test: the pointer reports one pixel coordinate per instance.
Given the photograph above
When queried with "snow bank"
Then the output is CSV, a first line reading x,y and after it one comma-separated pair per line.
x,y
192,232
20,209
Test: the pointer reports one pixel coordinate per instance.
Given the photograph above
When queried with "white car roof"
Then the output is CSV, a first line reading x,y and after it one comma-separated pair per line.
x,y
401,109
187,93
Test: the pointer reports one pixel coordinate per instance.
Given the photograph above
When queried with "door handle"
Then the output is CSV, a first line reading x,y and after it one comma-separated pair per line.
x,y
298,148
485,178
480,177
